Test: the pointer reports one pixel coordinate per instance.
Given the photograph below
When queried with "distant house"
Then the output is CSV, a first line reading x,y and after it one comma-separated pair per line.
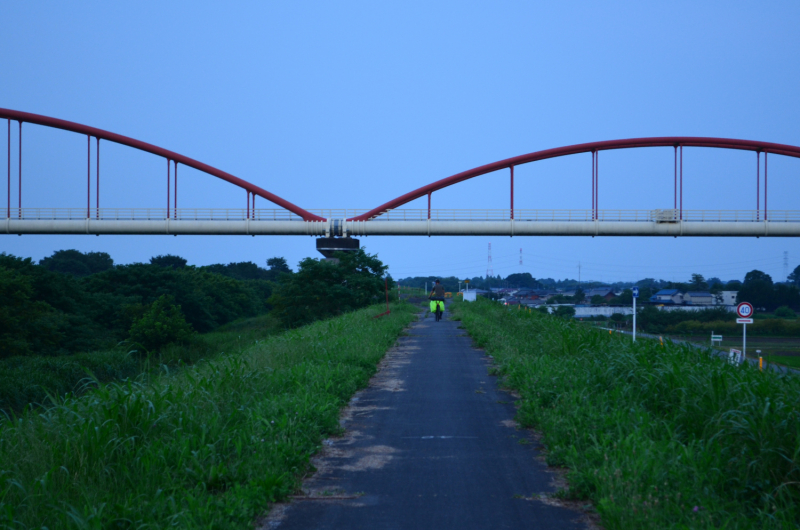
x,y
667,297
698,298
606,294
726,297
527,294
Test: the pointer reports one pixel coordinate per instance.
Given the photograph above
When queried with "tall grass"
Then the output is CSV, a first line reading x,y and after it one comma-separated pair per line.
x,y
33,380
207,447
657,436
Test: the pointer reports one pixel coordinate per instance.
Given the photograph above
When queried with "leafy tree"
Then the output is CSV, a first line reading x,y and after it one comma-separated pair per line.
x,y
757,276
733,285
698,282
579,295
162,324
278,265
597,300
785,312
246,270
25,324
794,277
758,290
77,263
208,300
626,296
322,289
69,321
543,309
168,261
786,295
522,279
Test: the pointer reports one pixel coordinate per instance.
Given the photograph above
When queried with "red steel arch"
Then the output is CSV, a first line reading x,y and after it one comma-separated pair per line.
x,y
592,147
38,119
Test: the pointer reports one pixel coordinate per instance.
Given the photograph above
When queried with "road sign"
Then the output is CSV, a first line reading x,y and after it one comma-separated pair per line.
x,y
744,320
736,356
745,310
636,292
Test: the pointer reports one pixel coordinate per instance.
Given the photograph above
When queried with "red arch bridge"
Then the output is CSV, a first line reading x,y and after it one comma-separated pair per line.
x,y
390,218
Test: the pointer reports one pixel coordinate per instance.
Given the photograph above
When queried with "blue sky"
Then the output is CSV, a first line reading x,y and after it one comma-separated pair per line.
x,y
350,104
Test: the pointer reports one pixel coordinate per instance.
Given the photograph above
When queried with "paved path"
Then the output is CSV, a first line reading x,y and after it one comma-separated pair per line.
x,y
431,444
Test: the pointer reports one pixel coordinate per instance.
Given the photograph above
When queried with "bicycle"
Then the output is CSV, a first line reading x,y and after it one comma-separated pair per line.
x,y
437,308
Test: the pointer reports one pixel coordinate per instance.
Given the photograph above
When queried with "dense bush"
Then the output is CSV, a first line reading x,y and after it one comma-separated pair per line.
x,y
323,289
785,312
162,324
654,320
768,328
565,311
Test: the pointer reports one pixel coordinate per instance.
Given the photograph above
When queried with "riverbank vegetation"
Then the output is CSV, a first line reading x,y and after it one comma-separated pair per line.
x,y
75,319
656,436
209,446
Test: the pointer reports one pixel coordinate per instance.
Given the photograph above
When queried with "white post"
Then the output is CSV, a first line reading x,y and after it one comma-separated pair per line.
x,y
634,319
744,340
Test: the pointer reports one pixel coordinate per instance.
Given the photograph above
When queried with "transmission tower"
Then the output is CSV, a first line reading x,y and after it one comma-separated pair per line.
x,y
520,258
489,270
786,265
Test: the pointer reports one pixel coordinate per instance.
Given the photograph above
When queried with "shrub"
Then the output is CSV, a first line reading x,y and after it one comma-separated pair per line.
x,y
785,312
565,311
163,323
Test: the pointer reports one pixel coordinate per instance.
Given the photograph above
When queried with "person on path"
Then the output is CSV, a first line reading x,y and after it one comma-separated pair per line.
x,y
437,297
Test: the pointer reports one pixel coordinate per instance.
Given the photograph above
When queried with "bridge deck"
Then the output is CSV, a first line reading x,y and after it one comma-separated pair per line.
x,y
240,214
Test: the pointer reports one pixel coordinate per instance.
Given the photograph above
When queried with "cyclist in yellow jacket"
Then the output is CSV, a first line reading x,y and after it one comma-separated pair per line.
x,y
437,300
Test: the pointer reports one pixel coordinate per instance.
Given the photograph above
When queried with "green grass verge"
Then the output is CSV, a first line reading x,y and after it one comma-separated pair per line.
x,y
657,437
33,380
207,447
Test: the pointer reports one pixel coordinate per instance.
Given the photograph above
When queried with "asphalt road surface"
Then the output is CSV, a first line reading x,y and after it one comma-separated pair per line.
x,y
431,444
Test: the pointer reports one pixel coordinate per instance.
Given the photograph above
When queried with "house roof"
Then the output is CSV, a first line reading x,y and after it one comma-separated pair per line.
x,y
599,292
668,292
698,294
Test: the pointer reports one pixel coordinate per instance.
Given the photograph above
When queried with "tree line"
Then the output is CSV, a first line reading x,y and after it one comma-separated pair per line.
x,y
758,287
73,302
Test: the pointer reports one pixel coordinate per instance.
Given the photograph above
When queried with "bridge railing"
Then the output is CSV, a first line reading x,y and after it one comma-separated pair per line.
x,y
520,215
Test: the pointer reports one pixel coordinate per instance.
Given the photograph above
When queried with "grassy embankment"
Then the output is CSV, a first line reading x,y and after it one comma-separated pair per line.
x,y
207,447
657,437
32,380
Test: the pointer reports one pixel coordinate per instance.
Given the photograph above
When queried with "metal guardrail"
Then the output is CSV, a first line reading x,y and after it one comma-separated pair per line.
x,y
520,216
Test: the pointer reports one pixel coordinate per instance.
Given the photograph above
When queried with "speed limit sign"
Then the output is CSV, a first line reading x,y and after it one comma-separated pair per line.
x,y
744,310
